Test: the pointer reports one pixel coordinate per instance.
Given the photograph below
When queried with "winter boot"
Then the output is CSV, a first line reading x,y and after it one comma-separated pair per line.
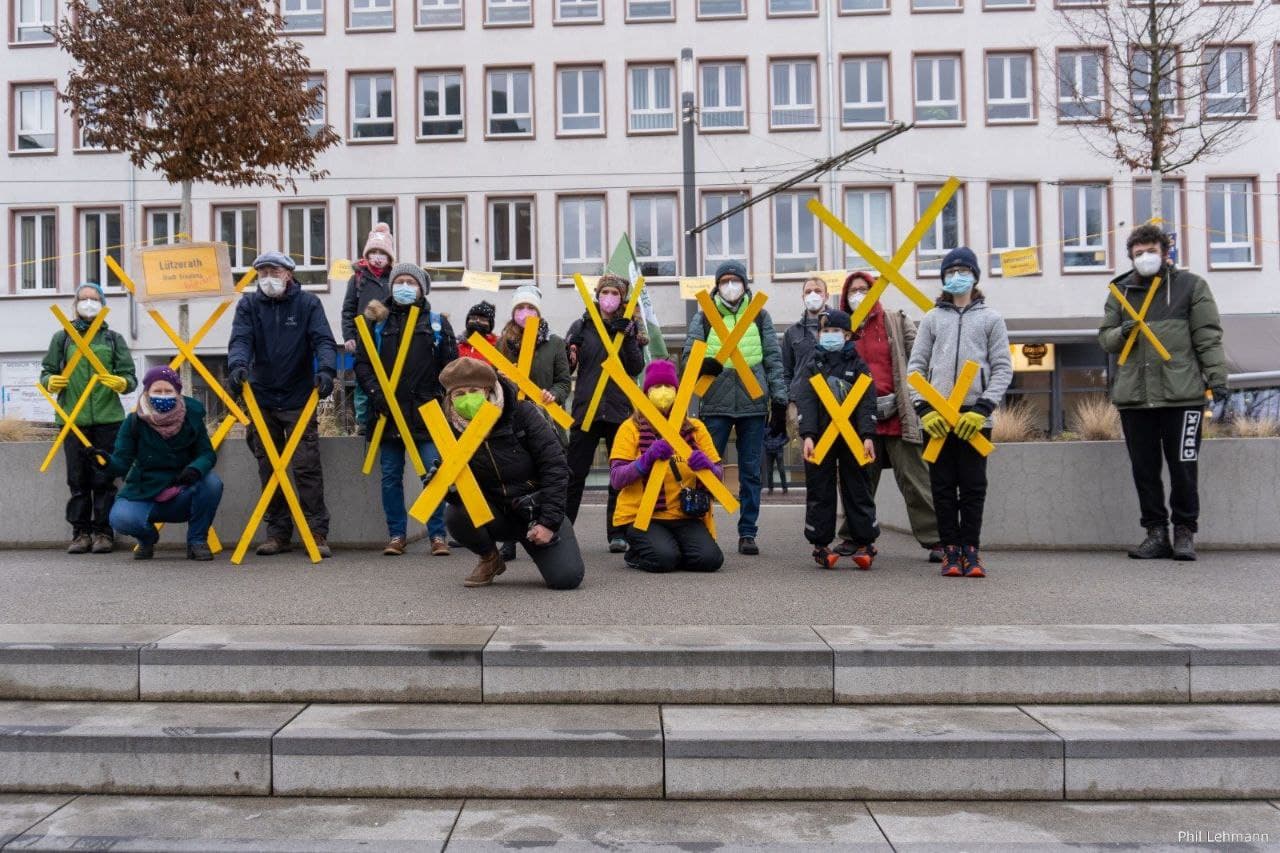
x,y
1184,543
490,567
81,544
102,544
199,551
825,557
1155,546
951,567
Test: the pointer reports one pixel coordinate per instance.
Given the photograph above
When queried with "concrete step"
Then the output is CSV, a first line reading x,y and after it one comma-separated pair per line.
x,y
73,661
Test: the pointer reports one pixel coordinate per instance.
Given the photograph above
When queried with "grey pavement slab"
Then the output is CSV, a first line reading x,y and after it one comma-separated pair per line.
x,y
1005,663
1196,751
1183,826
333,663
1229,663
138,747
852,752
269,824
19,812
58,661
567,825
672,663
471,750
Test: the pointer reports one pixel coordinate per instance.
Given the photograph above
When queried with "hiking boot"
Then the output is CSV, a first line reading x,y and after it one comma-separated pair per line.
x,y
439,547
322,546
490,566
272,547
144,552
81,544
951,567
747,545
102,544
935,553
825,557
617,545
865,556
1156,546
971,563
1184,543
199,552
845,548
395,547
507,552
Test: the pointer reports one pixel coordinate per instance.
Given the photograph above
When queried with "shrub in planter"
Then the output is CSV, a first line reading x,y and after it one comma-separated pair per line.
x,y
1014,423
1095,419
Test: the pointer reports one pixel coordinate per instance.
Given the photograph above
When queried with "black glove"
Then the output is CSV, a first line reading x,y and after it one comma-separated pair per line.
x,y
778,417
324,382
236,379
188,477
618,325
1127,327
378,402
710,367
1221,394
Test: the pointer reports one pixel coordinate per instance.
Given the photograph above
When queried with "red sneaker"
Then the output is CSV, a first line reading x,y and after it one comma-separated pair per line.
x,y
864,556
825,557
951,567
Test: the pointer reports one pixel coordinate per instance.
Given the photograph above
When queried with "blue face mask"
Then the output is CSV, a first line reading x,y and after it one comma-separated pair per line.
x,y
832,341
404,294
959,282
163,405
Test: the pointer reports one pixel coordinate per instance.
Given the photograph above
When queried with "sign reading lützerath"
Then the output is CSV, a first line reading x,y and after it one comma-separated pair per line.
x,y
187,271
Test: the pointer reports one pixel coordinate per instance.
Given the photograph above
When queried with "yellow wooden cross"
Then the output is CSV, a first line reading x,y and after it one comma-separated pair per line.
x,y
89,335
891,272
455,458
612,343
279,477
674,420
69,422
520,376
1140,317
389,386
949,408
841,416
729,341
528,346
82,343
82,350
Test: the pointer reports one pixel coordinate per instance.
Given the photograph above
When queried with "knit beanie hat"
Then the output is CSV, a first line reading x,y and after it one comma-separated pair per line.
x,y
418,274
836,319
468,373
611,280
380,240
483,309
162,372
660,372
962,256
734,268
527,294
102,297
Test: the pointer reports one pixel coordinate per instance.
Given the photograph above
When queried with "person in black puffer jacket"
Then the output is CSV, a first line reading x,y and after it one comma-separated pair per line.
x,y
523,474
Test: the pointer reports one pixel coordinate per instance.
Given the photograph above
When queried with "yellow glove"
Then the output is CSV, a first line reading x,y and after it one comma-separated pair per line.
x,y
969,425
116,383
57,383
934,424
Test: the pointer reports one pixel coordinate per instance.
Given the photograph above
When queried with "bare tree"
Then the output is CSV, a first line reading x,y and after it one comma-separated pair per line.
x,y
1157,85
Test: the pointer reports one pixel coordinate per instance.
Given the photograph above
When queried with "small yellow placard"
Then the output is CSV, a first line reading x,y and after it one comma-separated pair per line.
x,y
691,287
477,280
1018,262
834,280
341,270
188,271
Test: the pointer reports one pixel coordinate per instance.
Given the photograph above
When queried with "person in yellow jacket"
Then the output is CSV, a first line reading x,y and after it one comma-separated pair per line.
x,y
93,491
679,536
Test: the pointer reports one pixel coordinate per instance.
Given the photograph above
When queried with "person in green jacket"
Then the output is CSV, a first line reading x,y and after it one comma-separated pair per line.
x,y
92,491
1162,402
165,456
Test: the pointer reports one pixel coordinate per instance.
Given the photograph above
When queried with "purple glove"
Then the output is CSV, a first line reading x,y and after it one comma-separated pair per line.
x,y
699,461
660,449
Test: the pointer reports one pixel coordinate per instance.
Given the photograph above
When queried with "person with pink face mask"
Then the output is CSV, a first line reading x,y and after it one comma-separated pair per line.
x,y
371,280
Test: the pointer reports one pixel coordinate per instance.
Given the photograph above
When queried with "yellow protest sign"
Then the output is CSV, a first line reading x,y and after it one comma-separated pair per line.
x,y
841,414
519,374
675,419
691,287
612,343
1016,262
185,271
478,280
1140,317
455,457
834,279
341,270
949,408
729,341
389,384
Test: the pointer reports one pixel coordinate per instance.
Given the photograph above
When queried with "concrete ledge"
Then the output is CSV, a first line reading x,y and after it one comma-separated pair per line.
x,y
97,662
657,664
910,752
334,663
471,750
137,747
20,812
1167,751
1016,663
1229,663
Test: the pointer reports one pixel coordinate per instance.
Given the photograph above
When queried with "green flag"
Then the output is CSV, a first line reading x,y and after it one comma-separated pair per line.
x,y
623,264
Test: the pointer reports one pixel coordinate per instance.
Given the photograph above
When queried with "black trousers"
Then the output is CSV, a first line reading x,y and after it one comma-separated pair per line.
x,y
839,473
308,477
582,452
1156,437
669,546
560,563
959,483
772,462
92,491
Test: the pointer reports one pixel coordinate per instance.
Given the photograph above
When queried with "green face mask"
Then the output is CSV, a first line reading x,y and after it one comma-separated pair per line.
x,y
468,405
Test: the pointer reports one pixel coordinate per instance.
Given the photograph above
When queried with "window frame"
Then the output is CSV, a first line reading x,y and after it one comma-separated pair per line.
x,y
506,198
852,260
215,230
960,120
1025,6
358,73
15,109
677,230
887,93
282,210
742,195
349,27
560,198
561,68
357,238
168,210
811,12
746,94
793,62
488,102
1180,198
1254,211
699,15
418,74
1035,233
852,13
15,249
673,72
420,203
936,10
813,191
557,21
1179,92
323,77
486,23
628,18
417,18
1103,83
962,225
1250,94
324,21
1032,85
43,26
1108,215
80,266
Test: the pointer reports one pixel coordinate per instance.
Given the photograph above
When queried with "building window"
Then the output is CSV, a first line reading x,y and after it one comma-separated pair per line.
x,y
946,232
581,100
373,105
722,8
862,7
865,91
317,119
1231,231
508,12
1008,4
868,213
443,238
651,99
303,16
371,15
33,21
440,99
1009,86
510,102
578,11
439,13
792,7
724,96
793,93
650,10
36,249
654,227
85,126
1140,82
937,89
582,236
1080,89
795,238
34,122
1013,220
935,5
162,226
100,238
727,239
511,237
1084,227
1170,212
366,214
1227,82
306,239
238,228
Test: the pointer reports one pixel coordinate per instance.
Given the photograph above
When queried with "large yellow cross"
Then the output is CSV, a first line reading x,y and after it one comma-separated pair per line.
x,y
729,341
949,408
455,456
841,416
1140,317
389,384
82,350
68,422
612,343
519,374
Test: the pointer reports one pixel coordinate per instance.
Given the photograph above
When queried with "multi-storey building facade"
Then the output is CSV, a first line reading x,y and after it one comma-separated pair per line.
x,y
525,136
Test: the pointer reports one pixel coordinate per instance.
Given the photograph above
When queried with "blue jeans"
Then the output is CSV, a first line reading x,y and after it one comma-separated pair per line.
x,y
196,505
750,438
392,458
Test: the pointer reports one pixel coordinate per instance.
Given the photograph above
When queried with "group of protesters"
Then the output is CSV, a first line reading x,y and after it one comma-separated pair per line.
x,y
532,472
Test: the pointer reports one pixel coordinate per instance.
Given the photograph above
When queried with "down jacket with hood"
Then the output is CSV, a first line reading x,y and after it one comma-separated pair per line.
x,y
284,343
948,337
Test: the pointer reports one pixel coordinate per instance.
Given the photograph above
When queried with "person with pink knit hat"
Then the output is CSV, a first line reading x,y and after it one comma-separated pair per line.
x,y
371,280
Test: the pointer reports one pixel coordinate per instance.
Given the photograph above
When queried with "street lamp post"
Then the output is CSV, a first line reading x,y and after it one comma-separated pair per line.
x,y
687,112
